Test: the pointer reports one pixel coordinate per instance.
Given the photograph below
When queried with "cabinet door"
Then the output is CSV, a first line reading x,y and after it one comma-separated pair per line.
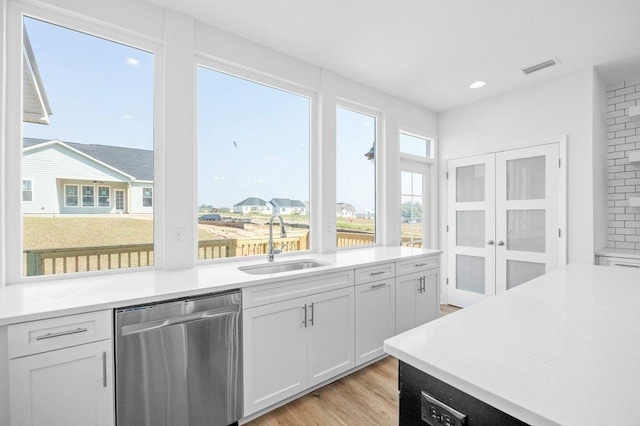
x,y
274,340
427,303
330,334
407,291
375,318
65,387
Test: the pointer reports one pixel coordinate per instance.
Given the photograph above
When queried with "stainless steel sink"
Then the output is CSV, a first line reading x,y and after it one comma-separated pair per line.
x,y
274,268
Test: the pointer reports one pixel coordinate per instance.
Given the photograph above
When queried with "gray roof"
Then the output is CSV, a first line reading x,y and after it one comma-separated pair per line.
x,y
285,202
132,161
252,201
348,207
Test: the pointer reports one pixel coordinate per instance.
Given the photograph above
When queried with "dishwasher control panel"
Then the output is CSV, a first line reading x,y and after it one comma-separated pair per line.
x,y
437,413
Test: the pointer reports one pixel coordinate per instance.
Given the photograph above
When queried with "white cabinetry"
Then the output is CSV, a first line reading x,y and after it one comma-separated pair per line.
x,y
417,294
375,316
295,344
61,371
620,261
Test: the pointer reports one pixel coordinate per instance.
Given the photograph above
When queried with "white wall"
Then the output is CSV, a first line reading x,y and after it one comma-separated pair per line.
x,y
546,111
178,39
599,163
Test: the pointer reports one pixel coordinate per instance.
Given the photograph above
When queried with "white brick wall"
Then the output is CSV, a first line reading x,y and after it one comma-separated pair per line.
x,y
623,178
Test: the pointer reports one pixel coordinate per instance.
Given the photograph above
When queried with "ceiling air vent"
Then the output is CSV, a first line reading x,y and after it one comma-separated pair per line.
x,y
541,66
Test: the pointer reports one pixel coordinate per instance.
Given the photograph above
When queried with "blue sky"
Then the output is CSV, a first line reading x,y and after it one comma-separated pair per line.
x,y
253,140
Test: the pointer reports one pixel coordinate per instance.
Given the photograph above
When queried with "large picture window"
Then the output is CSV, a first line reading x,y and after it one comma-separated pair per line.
x,y
355,178
253,162
100,137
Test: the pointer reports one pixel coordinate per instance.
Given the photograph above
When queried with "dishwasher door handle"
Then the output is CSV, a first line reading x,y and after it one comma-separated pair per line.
x,y
154,325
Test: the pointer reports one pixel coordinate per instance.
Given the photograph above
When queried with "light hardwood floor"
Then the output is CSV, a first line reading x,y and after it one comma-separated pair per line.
x,y
366,397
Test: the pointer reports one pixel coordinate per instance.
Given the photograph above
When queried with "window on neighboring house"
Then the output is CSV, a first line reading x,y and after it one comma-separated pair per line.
x,y
355,177
88,196
253,155
27,191
100,137
71,195
147,197
103,196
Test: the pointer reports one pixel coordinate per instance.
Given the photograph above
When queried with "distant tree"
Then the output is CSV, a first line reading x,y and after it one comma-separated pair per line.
x,y
410,209
205,208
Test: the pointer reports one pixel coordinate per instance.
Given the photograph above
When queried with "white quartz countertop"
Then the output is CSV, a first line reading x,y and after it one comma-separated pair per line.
x,y
45,299
618,252
563,349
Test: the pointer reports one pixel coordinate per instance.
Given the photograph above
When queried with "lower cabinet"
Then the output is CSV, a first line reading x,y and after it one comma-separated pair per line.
x,y
64,387
375,318
416,299
292,345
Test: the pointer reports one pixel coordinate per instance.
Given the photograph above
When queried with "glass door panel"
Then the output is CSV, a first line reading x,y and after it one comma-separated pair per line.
x,y
471,224
526,230
527,214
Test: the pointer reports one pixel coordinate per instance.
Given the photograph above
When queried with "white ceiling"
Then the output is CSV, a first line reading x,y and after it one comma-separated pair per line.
x,y
429,51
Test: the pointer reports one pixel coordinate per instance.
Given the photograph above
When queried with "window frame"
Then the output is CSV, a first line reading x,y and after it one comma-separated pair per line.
x,y
150,197
78,195
428,166
98,196
379,167
93,196
16,12
30,190
204,60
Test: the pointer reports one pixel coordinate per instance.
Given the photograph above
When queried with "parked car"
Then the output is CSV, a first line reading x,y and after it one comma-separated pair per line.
x,y
209,217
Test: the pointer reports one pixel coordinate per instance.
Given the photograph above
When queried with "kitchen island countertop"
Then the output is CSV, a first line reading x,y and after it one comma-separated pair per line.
x,y
563,349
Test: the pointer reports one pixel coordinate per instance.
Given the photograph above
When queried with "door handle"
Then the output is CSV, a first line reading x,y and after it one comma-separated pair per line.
x,y
312,315
304,321
490,242
500,243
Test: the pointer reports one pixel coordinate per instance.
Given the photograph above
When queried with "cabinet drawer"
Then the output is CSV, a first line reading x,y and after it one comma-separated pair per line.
x,y
375,273
291,289
417,264
620,261
34,337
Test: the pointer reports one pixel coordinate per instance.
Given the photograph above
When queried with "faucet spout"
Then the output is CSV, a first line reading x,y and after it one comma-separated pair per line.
x,y
283,233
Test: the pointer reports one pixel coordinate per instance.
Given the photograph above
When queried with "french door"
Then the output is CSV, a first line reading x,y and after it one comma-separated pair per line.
x,y
119,200
503,221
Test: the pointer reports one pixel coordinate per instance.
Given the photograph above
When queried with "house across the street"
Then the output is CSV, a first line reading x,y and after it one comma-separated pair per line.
x,y
253,205
345,210
73,178
287,206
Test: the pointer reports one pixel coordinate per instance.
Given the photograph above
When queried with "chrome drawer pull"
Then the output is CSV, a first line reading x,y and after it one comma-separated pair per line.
x,y
377,273
62,333
627,265
421,264
378,285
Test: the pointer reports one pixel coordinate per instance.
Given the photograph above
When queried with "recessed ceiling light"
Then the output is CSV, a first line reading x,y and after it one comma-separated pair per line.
x,y
477,84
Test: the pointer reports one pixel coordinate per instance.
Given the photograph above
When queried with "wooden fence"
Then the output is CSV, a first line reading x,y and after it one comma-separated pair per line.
x,y
83,259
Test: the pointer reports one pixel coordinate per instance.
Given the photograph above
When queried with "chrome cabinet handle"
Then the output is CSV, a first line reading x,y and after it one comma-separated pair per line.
x,y
311,317
104,369
62,333
377,273
627,266
305,315
500,243
490,242
378,285
421,264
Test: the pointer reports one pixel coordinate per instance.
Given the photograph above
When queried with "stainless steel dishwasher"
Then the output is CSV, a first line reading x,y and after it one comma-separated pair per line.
x,y
179,362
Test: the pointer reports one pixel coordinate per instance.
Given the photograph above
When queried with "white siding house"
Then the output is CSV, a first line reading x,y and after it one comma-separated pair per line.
x,y
71,178
287,206
253,205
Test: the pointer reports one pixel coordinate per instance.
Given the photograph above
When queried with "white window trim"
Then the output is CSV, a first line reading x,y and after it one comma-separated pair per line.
x,y
379,176
206,61
94,196
408,162
108,196
67,18
78,203
150,198
29,190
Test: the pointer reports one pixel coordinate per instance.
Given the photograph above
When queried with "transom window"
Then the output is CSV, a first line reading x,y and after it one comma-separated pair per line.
x,y
415,145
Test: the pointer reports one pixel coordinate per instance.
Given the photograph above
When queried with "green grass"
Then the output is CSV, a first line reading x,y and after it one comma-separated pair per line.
x,y
66,232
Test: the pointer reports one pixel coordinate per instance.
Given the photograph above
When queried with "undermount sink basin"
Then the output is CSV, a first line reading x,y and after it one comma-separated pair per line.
x,y
274,268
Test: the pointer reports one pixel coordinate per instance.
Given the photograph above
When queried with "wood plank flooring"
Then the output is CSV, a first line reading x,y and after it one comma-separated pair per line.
x,y
366,397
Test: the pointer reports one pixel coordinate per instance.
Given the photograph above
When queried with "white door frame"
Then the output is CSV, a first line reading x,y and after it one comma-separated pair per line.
x,y
562,145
